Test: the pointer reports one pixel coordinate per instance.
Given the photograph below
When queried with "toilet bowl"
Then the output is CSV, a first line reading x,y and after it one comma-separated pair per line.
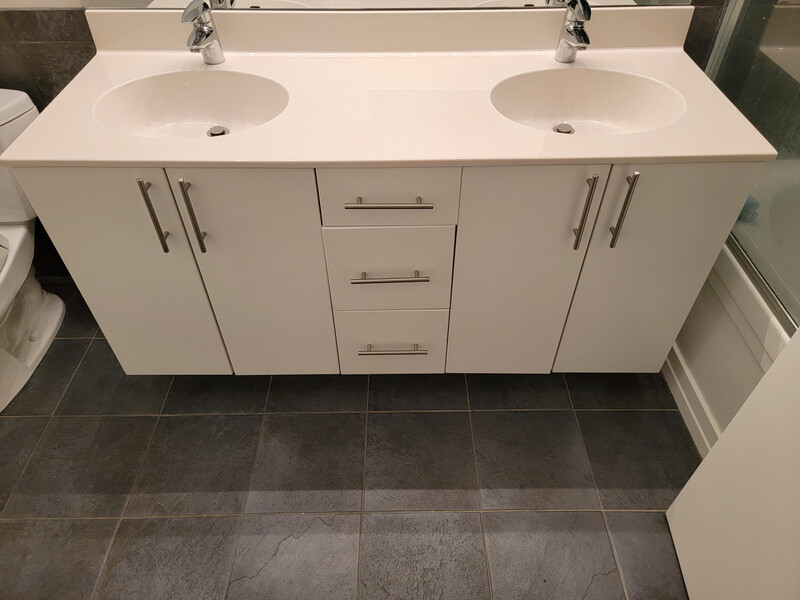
x,y
29,316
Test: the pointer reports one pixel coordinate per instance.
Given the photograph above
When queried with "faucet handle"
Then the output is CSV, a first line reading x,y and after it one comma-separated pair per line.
x,y
195,10
581,9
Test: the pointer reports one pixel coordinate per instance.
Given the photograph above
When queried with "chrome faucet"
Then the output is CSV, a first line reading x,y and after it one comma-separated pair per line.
x,y
573,36
204,36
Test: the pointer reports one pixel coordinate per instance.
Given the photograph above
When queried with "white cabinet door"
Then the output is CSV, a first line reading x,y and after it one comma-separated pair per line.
x,y
150,304
516,265
263,265
632,299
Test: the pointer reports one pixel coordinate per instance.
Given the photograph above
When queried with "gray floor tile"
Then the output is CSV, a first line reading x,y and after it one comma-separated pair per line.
x,y
491,391
18,438
100,387
647,556
296,557
640,460
78,319
196,465
175,559
44,389
83,467
619,390
317,393
217,394
417,392
547,555
420,461
423,556
52,559
532,460
308,463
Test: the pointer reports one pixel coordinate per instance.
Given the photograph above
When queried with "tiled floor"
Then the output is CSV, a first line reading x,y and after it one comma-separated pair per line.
x,y
431,486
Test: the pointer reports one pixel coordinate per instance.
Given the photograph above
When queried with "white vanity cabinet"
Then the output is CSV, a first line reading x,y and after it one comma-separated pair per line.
x,y
149,299
632,299
257,238
517,262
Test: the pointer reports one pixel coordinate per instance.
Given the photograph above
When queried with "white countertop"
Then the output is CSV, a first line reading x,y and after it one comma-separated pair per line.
x,y
388,109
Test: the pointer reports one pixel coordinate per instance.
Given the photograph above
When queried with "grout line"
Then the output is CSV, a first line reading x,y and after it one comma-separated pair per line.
x,y
266,399
597,491
130,494
363,496
480,496
46,427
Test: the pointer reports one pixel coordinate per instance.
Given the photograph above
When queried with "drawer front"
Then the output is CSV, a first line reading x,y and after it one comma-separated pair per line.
x,y
389,267
424,196
392,335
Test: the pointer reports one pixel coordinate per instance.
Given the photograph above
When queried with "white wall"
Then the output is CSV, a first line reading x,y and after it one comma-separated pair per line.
x,y
729,340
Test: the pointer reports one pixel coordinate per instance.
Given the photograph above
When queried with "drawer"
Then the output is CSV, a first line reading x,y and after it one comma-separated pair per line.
x,y
389,267
389,196
392,335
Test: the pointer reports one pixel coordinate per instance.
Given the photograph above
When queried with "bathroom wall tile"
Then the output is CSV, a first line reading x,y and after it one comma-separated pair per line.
x,y
532,460
702,33
52,559
48,25
44,389
179,559
100,387
6,34
296,557
53,65
217,394
420,461
640,460
196,465
309,463
517,391
18,438
317,393
646,556
78,319
83,467
417,392
619,390
423,555
544,555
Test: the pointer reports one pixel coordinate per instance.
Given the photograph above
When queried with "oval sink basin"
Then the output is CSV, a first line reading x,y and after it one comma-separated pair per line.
x,y
590,101
188,104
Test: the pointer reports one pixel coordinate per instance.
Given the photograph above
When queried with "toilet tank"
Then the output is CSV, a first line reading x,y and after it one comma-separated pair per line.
x,y
16,113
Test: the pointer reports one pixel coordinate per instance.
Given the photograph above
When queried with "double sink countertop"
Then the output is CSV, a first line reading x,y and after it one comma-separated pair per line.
x,y
429,108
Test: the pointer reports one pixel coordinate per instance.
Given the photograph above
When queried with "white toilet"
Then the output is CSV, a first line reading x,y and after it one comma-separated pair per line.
x,y
29,316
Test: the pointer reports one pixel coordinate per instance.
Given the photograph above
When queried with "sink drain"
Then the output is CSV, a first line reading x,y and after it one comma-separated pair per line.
x,y
560,128
218,130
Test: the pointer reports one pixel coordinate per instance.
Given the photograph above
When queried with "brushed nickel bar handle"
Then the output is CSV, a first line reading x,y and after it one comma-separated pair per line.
x,y
578,231
144,186
198,233
617,229
370,352
359,203
415,279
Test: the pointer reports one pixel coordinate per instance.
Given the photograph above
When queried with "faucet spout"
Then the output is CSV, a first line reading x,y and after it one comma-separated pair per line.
x,y
204,38
573,35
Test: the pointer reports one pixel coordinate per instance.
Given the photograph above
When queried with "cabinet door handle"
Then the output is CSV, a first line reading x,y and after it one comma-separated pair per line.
x,y
144,186
359,203
617,229
578,231
370,352
415,279
198,233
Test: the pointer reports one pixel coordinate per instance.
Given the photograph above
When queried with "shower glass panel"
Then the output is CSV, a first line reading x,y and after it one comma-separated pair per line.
x,y
760,74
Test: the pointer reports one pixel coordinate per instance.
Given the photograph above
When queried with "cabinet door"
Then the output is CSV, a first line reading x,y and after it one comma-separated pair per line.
x,y
263,265
150,304
516,265
632,299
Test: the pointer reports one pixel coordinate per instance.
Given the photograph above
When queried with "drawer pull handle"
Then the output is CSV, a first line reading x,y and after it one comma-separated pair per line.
x,y
359,203
578,231
415,279
144,186
617,229
370,352
200,235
